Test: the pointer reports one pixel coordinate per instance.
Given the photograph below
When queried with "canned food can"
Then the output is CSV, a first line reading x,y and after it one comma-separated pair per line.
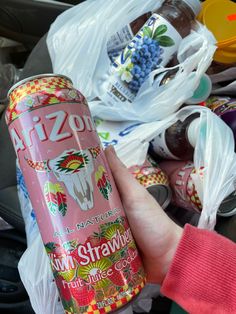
x,y
220,105
184,191
83,225
228,206
154,180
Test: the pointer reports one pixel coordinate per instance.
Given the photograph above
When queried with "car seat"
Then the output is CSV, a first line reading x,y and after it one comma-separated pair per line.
x,y
13,296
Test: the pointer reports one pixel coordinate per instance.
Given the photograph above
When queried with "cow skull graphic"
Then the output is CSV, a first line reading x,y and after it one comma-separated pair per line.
x,y
74,168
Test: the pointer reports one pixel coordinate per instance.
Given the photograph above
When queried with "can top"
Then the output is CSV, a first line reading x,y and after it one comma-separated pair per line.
x,y
202,92
228,206
39,90
161,193
154,180
34,77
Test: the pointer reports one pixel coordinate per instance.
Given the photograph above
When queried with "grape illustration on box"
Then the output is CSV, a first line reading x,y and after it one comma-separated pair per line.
x,y
74,168
145,55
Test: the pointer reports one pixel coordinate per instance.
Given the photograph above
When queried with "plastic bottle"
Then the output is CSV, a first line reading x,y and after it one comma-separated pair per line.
x,y
121,39
153,46
225,108
229,117
178,141
201,93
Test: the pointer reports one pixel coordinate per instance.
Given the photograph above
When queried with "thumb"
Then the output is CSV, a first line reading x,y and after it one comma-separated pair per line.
x,y
135,198
155,233
128,187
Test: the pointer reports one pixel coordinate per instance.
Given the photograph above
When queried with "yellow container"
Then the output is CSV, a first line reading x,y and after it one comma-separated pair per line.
x,y
227,44
228,48
224,56
219,16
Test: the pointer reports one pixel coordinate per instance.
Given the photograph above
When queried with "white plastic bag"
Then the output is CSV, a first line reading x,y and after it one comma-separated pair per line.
x,y
78,37
214,152
112,132
77,43
224,76
31,227
37,277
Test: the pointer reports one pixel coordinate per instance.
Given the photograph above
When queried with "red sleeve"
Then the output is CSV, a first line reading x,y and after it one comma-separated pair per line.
x,y
202,276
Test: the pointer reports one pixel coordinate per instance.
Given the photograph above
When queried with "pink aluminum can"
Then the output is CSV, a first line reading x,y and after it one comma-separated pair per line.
x,y
154,180
184,193
83,225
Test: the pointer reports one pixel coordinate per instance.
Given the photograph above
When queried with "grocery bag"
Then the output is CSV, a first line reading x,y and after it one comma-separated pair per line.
x,y
77,44
214,156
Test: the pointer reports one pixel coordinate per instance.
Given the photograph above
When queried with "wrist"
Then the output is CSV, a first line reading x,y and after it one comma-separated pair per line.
x,y
173,242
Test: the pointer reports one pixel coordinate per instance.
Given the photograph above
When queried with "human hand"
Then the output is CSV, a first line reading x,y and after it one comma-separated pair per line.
x,y
156,235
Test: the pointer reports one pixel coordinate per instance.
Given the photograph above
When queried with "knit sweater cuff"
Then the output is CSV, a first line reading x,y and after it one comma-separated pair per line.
x,y
202,276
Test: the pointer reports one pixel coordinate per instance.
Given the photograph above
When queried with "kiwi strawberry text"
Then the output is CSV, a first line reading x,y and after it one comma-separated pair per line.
x,y
100,275
64,126
89,254
62,264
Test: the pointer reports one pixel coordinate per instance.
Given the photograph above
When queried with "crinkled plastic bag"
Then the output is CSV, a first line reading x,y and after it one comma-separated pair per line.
x,y
31,227
77,40
214,152
36,275
223,77
77,43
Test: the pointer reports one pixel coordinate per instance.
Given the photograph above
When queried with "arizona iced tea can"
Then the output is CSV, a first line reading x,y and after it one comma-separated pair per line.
x,y
154,180
184,193
92,252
